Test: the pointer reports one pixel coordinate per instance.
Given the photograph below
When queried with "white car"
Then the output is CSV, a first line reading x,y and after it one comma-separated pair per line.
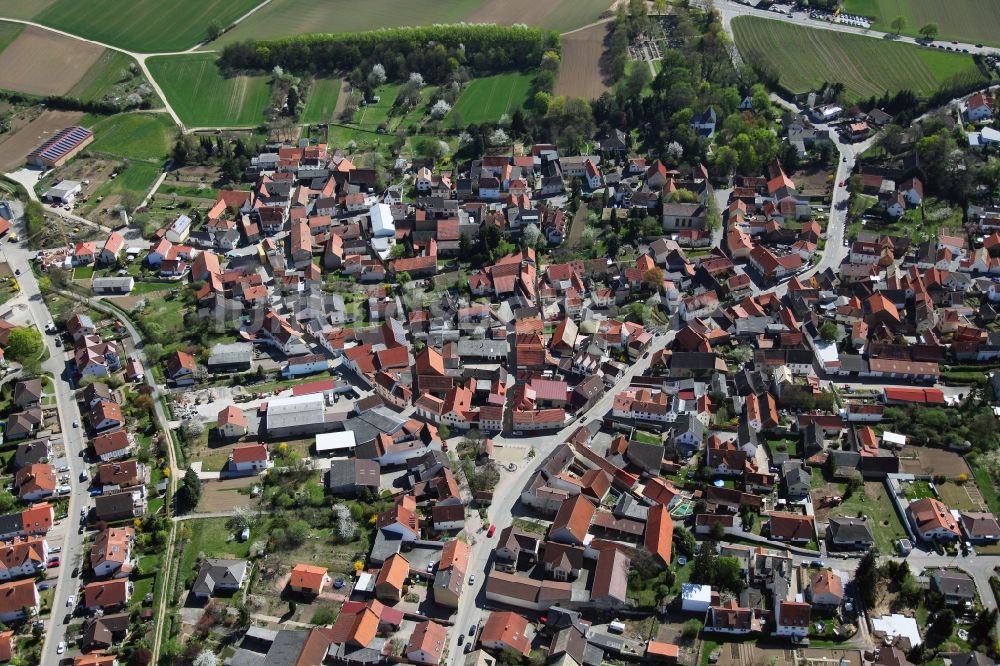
x,y
472,579
76,424
69,601
61,647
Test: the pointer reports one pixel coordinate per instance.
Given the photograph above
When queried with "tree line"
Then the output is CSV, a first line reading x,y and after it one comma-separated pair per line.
x,y
433,51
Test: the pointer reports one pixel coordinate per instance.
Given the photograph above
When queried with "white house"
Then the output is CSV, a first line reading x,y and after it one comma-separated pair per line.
x,y
23,557
305,365
251,458
179,230
792,619
17,596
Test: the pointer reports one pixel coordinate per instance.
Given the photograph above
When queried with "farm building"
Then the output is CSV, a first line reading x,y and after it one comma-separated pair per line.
x,y
113,285
63,192
61,148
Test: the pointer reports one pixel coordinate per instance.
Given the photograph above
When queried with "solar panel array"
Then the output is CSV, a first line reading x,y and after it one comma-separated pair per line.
x,y
64,141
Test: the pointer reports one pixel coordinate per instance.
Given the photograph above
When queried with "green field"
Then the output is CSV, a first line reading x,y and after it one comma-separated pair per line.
x,y
134,181
292,17
202,97
488,98
804,58
109,70
321,101
8,33
141,136
970,21
20,9
144,26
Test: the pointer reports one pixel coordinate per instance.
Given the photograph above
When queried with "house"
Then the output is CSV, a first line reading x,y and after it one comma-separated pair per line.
x,y
980,527
704,123
111,552
80,326
106,595
106,415
845,533
36,519
826,589
21,558
610,581
84,253
249,458
955,585
392,578
30,453
125,474
731,618
932,520
506,630
217,577
112,445
101,633
681,216
790,527
913,191
112,248
427,643
796,478
120,506
18,598
181,367
28,393
308,579
979,107
572,521
792,619
23,424
231,422
35,482
449,580
696,598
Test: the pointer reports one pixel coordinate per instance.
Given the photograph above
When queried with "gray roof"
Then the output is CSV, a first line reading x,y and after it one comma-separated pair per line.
x,y
227,574
353,473
849,530
274,648
28,391
481,348
237,352
955,583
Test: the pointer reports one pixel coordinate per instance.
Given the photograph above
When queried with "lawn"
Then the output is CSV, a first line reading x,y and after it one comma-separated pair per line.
x,y
372,115
874,503
488,98
203,97
917,489
646,438
972,21
805,58
109,70
321,101
144,26
211,537
136,179
280,18
8,33
140,136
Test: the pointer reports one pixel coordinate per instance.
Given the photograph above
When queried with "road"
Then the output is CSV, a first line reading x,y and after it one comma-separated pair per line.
x,y
728,10
74,442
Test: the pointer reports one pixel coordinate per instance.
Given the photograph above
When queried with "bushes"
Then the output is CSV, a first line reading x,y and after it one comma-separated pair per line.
x,y
433,51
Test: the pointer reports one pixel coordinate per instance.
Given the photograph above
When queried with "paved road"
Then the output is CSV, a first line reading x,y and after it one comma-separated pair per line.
x,y
728,10
74,443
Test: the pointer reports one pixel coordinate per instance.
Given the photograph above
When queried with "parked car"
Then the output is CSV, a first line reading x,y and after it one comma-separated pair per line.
x,y
491,531
76,424
472,629
61,647
69,601
461,638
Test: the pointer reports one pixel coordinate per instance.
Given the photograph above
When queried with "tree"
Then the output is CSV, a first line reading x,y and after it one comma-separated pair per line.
x,y
214,29
7,501
929,31
942,626
828,331
376,77
703,568
440,109
898,24
653,278
189,492
867,577
726,574
206,658
24,344
685,541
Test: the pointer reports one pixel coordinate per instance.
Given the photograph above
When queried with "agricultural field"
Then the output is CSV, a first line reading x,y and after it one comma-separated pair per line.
x,y
20,9
580,72
141,136
485,100
41,62
970,21
558,15
8,33
132,184
203,97
149,26
321,101
280,18
805,58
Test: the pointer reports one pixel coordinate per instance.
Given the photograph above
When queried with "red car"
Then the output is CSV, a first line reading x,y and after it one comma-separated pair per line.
x,y
493,528
53,565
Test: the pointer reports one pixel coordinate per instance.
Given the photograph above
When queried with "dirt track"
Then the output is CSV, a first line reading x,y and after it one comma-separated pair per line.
x,y
45,63
15,147
580,73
